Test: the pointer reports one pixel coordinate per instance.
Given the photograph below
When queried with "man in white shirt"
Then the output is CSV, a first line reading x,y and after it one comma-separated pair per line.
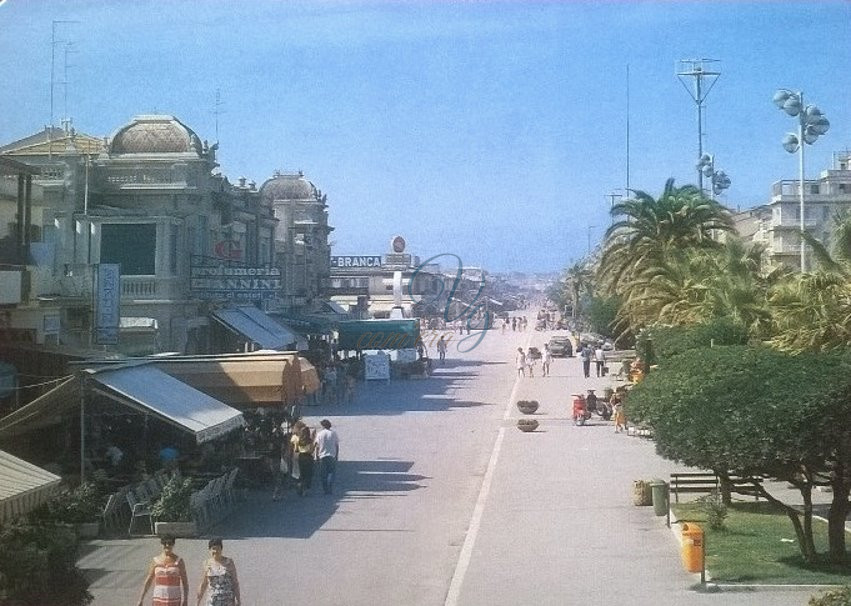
x,y
327,453
546,358
599,359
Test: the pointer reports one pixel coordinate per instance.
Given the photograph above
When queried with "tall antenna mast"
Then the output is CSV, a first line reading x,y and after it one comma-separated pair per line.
x,y
69,48
216,110
627,130
704,79
53,43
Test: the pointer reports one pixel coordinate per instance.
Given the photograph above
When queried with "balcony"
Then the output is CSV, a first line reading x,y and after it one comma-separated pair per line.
x,y
152,287
788,191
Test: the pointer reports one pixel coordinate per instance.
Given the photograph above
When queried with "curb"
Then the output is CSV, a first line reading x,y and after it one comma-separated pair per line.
x,y
710,587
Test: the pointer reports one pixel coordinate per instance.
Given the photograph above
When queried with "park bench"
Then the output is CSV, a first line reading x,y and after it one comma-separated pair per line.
x,y
698,481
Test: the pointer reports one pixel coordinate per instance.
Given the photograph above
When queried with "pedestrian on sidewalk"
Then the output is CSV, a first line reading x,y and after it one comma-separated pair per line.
x,y
441,348
514,324
167,573
303,449
219,577
546,358
585,354
600,359
530,363
520,362
327,454
619,415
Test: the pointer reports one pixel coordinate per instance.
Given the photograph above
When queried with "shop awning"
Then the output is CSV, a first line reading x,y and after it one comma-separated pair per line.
x,y
151,390
260,378
309,376
45,410
23,486
257,327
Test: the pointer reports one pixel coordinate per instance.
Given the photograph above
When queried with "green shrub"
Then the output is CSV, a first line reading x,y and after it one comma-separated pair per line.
x,y
833,597
38,566
714,508
174,502
81,505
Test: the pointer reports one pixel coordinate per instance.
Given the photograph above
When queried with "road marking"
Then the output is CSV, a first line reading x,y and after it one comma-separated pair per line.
x,y
454,593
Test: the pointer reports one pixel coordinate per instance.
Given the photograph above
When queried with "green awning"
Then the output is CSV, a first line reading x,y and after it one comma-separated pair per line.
x,y
378,334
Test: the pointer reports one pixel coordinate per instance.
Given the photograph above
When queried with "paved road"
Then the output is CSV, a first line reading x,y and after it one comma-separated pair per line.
x,y
442,501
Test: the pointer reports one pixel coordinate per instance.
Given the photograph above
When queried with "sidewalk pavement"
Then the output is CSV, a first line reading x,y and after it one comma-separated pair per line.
x,y
558,524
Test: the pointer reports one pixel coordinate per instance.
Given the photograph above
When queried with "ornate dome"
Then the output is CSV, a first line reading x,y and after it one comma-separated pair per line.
x,y
288,186
154,135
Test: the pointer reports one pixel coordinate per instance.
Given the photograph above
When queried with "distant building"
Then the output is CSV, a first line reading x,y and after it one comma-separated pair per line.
x,y
301,239
777,224
146,198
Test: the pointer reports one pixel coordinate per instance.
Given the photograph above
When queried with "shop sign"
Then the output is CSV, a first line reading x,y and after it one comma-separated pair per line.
x,y
234,283
347,261
376,367
107,303
51,324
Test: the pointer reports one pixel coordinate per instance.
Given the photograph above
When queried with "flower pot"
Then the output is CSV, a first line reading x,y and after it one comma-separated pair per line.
x,y
87,530
527,424
527,407
176,529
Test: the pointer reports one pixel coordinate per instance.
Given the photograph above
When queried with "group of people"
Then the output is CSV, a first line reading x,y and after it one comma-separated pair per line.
x,y
517,323
525,362
170,584
338,382
299,449
587,353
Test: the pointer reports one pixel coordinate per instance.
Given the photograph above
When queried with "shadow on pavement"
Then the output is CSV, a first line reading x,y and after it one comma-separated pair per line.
x,y
301,517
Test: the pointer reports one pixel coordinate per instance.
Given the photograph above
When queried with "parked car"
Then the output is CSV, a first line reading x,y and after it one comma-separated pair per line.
x,y
561,347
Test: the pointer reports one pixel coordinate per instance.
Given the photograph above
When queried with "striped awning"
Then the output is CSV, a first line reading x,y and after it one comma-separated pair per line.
x,y
23,486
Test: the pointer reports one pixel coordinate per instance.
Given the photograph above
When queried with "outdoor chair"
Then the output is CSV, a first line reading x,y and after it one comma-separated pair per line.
x,y
198,507
229,489
138,509
153,488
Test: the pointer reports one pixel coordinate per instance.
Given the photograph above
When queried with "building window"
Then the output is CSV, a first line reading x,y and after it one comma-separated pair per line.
x,y
814,188
842,188
133,246
825,213
172,249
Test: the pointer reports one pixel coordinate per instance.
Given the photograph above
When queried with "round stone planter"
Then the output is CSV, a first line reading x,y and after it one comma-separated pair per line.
x,y
527,425
527,407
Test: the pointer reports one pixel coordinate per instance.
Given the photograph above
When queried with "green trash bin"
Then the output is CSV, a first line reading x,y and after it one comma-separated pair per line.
x,y
659,490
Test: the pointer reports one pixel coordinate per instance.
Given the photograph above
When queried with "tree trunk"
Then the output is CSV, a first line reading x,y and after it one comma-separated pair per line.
x,y
839,508
803,532
726,488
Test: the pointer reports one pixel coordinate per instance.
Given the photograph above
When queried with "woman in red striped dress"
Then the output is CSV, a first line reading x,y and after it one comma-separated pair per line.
x,y
167,572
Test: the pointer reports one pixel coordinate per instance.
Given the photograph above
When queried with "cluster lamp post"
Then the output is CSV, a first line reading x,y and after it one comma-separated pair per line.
x,y
811,125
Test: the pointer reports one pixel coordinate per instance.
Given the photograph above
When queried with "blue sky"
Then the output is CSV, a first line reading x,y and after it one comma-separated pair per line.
x,y
492,130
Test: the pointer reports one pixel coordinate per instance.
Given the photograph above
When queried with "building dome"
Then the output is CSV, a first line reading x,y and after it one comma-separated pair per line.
x,y
288,187
154,135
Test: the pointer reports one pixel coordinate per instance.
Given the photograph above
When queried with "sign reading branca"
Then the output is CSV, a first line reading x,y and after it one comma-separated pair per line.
x,y
349,261
235,283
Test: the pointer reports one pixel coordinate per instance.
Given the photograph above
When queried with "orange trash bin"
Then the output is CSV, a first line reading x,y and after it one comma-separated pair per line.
x,y
692,548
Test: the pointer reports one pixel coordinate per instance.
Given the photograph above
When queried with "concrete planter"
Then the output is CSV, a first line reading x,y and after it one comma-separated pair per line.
x,y
183,530
527,425
527,407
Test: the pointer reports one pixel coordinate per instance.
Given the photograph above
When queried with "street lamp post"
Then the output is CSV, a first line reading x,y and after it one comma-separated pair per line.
x,y
719,179
811,125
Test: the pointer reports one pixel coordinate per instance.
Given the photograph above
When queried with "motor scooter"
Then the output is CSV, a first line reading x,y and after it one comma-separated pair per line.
x,y
598,405
580,410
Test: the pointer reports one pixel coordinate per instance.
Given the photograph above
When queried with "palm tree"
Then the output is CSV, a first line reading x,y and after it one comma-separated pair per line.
x,y
577,279
812,312
646,250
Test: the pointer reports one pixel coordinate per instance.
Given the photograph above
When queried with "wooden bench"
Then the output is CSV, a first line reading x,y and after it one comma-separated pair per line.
x,y
697,481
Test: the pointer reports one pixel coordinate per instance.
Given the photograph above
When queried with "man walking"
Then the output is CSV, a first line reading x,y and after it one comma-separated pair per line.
x,y
546,358
585,354
600,359
520,362
327,453
441,348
